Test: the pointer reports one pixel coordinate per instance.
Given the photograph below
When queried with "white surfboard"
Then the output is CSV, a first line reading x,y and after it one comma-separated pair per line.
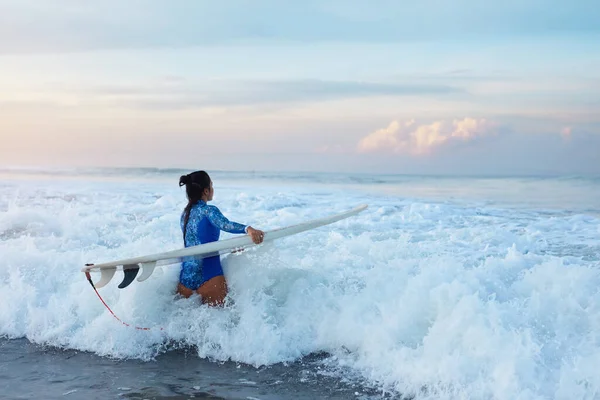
x,y
131,266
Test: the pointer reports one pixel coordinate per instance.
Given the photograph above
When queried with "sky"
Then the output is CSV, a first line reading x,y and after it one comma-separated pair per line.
x,y
408,87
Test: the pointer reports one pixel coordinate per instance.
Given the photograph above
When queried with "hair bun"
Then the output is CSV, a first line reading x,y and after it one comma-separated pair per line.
x,y
184,180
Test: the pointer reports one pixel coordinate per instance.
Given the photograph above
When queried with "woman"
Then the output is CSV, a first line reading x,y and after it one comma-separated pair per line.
x,y
202,223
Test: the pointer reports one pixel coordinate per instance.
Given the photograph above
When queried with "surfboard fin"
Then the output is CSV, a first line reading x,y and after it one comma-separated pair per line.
x,y
130,272
105,277
147,270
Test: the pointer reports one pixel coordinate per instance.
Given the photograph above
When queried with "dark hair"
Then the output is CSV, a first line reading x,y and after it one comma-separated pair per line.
x,y
195,183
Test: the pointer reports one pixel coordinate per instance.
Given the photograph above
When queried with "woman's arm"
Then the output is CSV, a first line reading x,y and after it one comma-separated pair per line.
x,y
220,221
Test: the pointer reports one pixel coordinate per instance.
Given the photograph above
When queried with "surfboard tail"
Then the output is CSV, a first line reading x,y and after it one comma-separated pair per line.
x,y
130,271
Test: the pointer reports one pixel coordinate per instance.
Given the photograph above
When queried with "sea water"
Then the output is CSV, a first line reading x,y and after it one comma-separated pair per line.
x,y
444,288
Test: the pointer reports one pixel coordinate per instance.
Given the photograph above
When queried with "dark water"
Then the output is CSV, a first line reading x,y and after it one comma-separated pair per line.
x,y
31,371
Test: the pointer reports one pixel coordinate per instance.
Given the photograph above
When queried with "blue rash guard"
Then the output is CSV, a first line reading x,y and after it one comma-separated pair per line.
x,y
204,225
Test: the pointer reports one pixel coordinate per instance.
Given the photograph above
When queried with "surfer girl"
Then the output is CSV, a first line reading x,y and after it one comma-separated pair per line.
x,y
203,223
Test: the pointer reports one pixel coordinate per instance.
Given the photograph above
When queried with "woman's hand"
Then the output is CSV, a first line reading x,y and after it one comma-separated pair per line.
x,y
257,235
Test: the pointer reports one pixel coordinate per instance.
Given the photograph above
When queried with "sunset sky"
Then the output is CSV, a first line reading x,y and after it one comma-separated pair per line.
x,y
418,87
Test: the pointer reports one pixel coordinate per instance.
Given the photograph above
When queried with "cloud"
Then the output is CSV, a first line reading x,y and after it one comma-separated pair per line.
x,y
411,138
176,94
566,132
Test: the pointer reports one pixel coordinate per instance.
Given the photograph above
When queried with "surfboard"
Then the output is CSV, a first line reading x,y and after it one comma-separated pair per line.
x,y
131,266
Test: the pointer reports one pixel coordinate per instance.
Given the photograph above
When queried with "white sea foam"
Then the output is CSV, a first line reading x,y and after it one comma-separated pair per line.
x,y
440,299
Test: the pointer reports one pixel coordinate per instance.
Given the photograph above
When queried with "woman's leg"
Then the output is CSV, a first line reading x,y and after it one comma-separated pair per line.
x,y
213,291
184,291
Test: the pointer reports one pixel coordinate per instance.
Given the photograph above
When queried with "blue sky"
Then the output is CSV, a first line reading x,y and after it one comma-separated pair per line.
x,y
459,87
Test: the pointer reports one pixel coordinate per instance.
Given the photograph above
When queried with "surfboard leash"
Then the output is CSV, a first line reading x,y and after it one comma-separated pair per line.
x,y
89,278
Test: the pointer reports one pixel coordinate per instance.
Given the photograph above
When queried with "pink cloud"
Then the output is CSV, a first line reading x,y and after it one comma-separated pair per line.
x,y
566,132
410,137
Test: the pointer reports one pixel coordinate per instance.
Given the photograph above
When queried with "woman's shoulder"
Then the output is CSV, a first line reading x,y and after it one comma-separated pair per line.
x,y
204,208
209,208
196,209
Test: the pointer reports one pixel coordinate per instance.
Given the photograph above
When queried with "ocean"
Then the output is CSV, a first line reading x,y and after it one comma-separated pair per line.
x,y
444,288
